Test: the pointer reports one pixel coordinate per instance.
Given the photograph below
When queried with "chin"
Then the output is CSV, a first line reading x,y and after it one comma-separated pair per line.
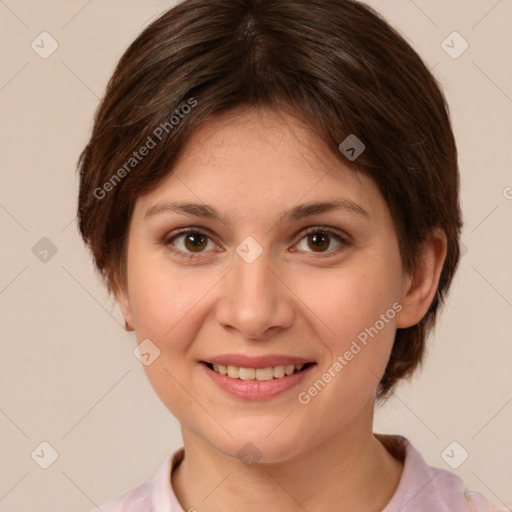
x,y
262,442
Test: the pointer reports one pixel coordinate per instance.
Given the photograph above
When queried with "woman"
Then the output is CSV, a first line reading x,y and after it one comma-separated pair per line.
x,y
271,193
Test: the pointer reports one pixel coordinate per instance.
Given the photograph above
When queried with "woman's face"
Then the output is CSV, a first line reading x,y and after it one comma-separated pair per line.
x,y
263,281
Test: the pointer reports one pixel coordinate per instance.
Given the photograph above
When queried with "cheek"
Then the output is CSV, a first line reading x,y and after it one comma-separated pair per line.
x,y
162,298
355,319
165,305
348,300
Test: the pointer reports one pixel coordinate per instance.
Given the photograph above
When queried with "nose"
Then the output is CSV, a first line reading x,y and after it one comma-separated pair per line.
x,y
254,300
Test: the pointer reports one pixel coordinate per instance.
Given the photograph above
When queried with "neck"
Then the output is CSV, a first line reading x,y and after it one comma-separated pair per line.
x,y
351,471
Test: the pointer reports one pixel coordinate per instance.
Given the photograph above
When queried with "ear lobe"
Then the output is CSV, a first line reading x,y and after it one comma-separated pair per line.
x,y
123,301
420,287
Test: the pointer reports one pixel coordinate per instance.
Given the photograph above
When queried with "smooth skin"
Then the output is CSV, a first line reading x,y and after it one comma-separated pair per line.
x,y
305,296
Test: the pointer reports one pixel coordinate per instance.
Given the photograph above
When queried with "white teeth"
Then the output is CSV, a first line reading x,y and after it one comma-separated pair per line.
x,y
279,371
233,371
268,373
289,369
247,373
265,373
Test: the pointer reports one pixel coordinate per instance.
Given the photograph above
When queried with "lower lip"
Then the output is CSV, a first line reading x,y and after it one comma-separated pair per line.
x,y
255,389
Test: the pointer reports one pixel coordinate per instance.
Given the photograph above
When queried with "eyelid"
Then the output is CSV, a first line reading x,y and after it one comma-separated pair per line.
x,y
183,231
329,230
343,238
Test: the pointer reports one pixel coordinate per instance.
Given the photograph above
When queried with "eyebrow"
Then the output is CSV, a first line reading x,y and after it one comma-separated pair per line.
x,y
296,213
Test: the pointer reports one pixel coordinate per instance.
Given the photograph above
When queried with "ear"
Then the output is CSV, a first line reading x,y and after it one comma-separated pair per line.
x,y
123,301
419,287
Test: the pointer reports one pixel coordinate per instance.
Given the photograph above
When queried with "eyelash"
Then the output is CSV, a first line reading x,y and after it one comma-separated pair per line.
x,y
199,231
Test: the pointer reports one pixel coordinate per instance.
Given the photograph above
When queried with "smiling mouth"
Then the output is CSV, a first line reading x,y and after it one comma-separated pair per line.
x,y
260,374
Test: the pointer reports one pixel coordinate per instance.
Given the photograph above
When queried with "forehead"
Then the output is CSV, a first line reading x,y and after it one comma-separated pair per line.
x,y
257,158
259,137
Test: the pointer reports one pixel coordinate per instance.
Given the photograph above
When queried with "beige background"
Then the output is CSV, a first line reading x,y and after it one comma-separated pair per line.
x,y
68,374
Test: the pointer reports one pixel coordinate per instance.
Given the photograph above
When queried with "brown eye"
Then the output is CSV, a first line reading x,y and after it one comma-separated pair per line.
x,y
195,242
189,242
320,239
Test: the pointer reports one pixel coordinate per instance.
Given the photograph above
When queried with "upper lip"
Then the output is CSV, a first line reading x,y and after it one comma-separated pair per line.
x,y
244,361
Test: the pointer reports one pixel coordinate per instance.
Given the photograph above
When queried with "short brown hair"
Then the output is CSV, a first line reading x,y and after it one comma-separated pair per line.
x,y
336,63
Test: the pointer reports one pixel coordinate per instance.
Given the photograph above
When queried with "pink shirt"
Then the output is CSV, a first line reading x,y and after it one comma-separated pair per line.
x,y
422,488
